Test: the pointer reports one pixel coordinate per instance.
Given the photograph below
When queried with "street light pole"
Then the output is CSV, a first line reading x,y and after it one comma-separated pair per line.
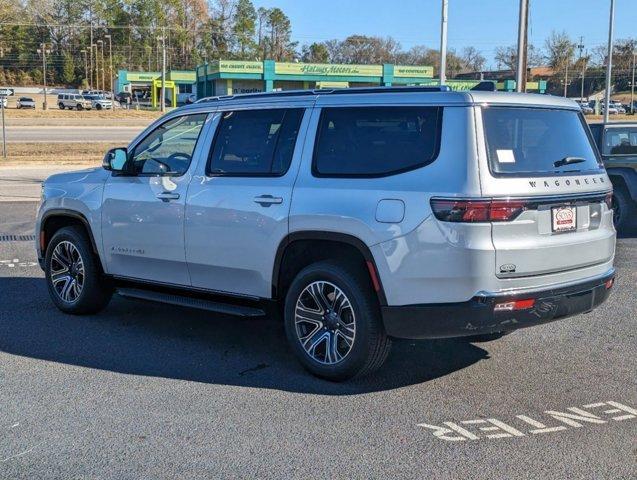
x,y
609,66
97,70
85,66
163,71
110,69
520,74
581,59
100,43
443,42
43,51
632,87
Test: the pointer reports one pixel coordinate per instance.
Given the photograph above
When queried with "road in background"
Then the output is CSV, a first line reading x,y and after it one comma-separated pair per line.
x,y
155,391
71,134
23,183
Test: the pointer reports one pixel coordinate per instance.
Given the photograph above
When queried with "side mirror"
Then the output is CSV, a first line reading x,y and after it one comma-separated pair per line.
x,y
115,160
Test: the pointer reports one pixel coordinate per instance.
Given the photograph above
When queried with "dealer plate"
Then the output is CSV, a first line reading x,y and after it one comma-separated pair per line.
x,y
564,219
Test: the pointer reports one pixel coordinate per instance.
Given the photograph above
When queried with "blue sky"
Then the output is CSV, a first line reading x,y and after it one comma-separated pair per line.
x,y
484,24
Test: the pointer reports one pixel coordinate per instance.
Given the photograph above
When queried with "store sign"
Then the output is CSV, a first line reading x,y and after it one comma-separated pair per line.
x,y
235,66
183,76
142,77
313,69
409,71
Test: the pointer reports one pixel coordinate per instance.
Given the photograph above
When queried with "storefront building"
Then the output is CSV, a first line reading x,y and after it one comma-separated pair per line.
x,y
146,86
227,77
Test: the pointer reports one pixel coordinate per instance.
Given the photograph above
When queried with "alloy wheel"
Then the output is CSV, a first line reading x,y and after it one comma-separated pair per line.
x,y
67,271
325,322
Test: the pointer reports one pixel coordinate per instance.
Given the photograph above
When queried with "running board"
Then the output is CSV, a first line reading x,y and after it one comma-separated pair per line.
x,y
200,303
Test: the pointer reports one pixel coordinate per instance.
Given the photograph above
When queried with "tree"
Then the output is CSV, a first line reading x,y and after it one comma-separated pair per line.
x,y
560,50
68,70
315,53
244,29
507,57
280,47
472,59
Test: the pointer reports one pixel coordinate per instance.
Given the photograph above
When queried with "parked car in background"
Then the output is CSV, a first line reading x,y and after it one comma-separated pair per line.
x,y
611,109
586,110
360,214
3,101
617,143
186,98
25,102
619,107
73,101
98,102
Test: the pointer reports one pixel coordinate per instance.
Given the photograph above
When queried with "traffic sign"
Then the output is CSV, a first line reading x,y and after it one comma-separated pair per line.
x,y
6,92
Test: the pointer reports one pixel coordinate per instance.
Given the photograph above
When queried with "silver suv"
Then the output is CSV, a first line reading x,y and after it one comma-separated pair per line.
x,y
364,214
73,101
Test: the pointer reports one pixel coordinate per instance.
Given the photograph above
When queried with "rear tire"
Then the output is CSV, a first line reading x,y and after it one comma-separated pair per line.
x,y
98,107
333,322
623,208
73,273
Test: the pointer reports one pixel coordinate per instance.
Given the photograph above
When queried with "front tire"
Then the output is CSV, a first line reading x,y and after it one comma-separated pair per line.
x,y
80,107
73,273
333,322
61,105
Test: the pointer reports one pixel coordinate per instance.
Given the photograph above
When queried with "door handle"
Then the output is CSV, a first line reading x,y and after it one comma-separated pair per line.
x,y
167,196
267,200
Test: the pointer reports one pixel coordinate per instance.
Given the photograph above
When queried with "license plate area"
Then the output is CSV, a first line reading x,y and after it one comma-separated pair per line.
x,y
564,219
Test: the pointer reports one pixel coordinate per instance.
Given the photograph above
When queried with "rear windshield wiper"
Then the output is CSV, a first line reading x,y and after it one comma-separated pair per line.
x,y
569,161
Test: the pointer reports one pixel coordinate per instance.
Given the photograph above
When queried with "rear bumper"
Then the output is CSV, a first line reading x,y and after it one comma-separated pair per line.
x,y
477,316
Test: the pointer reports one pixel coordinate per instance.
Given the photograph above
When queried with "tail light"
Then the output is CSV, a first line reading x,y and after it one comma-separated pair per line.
x,y
608,199
472,211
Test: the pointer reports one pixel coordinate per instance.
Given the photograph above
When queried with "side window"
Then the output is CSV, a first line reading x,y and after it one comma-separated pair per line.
x,y
255,142
376,141
620,141
168,149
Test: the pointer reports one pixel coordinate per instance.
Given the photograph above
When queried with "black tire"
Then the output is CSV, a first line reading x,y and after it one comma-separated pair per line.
x,y
61,105
96,291
79,107
370,346
623,208
98,107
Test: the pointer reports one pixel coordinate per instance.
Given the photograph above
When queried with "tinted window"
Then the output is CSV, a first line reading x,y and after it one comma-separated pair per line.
x,y
376,141
620,141
534,141
168,149
255,142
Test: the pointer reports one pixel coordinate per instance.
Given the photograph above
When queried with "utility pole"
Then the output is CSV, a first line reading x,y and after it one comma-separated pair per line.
x,y
443,42
163,70
523,21
110,69
42,50
581,59
566,79
609,65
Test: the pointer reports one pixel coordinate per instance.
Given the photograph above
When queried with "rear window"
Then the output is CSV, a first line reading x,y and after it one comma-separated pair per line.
x,y
376,141
537,142
620,141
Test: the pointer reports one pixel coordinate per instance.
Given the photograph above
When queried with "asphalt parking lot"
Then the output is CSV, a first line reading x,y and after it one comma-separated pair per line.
x,y
150,391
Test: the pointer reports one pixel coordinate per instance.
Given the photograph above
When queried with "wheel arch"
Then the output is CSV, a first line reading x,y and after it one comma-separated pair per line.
x,y
58,218
331,240
627,176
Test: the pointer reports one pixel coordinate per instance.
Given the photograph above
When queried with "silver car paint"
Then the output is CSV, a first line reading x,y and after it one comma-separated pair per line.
x,y
419,259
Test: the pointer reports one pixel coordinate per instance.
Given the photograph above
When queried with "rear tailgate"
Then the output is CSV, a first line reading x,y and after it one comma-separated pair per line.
x,y
544,160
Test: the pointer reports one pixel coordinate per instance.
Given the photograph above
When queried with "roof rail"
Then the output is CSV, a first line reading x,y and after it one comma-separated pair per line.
x,y
339,91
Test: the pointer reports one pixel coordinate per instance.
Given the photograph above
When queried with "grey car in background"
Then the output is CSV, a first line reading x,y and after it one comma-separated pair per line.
x,y
363,215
